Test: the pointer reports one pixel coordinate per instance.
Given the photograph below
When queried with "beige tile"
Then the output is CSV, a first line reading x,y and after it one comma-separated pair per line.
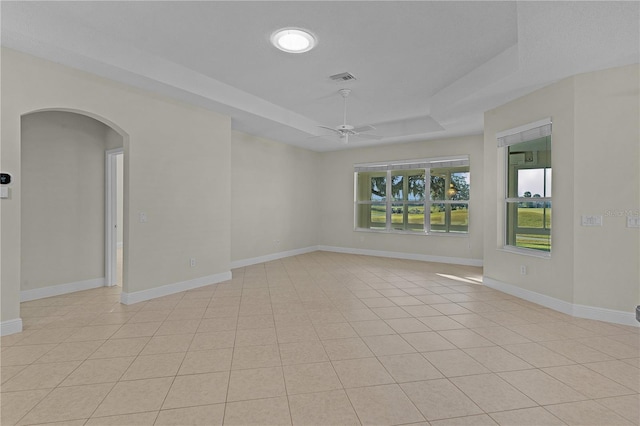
x,y
149,316
307,378
391,312
206,361
537,355
135,396
14,405
618,371
491,393
303,333
455,362
251,337
361,372
75,351
150,366
477,420
197,389
255,321
339,330
388,345
407,325
587,382
372,328
409,367
24,355
609,346
535,416
40,376
168,344
501,335
256,383
386,404
120,347
187,326
213,340
79,422
422,311
378,302
186,314
42,337
256,357
497,359
428,341
203,415
586,413
94,332
627,406
218,324
98,371
142,329
541,387
138,419
365,314
323,408
271,411
474,321
576,351
440,322
9,371
68,403
465,338
303,352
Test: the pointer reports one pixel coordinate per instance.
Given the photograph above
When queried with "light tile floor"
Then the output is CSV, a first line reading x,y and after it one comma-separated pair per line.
x,y
322,338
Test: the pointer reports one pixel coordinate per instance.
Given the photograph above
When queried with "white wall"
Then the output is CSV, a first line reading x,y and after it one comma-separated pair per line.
x,y
274,197
595,145
62,199
177,168
336,200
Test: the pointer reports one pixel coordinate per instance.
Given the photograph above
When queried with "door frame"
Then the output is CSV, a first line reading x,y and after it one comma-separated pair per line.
x,y
111,216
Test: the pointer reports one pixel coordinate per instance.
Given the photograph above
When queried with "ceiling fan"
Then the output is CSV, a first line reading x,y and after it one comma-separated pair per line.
x,y
344,130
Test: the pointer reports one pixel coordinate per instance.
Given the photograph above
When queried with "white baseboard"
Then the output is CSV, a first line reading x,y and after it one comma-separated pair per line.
x,y
407,256
269,257
580,311
165,290
10,327
56,290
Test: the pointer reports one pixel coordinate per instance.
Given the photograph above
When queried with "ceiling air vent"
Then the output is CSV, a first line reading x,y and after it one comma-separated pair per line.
x,y
344,76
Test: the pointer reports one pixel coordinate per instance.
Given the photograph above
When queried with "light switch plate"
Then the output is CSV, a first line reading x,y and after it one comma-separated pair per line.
x,y
633,221
4,192
588,220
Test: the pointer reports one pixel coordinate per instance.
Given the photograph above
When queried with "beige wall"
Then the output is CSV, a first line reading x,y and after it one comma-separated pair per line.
x,y
336,200
62,199
607,176
177,168
594,149
120,199
274,197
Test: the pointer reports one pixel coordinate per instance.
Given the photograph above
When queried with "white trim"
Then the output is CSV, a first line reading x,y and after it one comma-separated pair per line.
x,y
119,244
524,128
10,327
407,256
56,290
165,290
110,215
270,257
580,311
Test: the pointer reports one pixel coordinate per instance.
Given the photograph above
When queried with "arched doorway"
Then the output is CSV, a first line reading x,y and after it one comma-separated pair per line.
x,y
64,228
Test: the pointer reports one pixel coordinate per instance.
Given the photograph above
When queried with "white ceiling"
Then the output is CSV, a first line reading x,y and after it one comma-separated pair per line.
x,y
424,69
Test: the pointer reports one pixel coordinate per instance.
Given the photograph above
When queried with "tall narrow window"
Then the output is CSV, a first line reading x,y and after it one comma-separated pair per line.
x,y
416,196
528,188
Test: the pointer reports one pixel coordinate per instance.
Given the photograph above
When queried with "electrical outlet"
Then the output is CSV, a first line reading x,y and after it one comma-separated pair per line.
x,y
523,270
143,217
192,262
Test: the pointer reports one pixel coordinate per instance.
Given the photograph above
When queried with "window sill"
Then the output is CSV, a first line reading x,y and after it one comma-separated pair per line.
x,y
422,233
526,252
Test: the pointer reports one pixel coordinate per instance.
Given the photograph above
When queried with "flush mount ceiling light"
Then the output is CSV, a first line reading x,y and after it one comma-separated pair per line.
x,y
293,40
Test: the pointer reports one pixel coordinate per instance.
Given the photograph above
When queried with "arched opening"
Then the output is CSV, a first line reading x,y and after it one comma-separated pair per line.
x,y
64,221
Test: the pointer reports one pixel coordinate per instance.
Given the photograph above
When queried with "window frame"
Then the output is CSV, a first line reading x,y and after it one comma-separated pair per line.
x,y
506,139
405,168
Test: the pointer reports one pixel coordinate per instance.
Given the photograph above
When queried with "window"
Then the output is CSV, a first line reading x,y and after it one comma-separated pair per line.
x,y
528,188
392,197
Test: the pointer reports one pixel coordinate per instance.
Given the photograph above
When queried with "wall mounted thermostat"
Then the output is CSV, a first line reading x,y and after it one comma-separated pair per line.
x,y
5,178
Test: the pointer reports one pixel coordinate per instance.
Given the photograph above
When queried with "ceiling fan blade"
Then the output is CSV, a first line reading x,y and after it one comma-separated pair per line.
x,y
364,128
330,128
365,136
